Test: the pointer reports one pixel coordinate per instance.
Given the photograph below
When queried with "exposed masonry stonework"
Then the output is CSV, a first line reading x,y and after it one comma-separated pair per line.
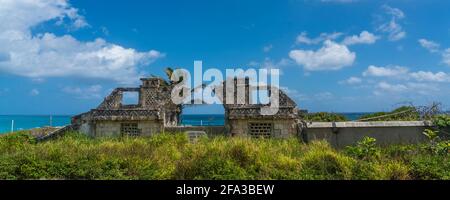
x,y
153,112
240,117
156,113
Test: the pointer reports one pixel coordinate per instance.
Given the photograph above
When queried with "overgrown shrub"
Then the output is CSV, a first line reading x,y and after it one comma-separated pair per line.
x,y
404,113
442,123
430,167
395,170
364,149
439,142
321,162
325,117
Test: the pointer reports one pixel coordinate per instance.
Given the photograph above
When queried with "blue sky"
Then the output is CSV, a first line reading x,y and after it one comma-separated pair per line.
x,y
63,57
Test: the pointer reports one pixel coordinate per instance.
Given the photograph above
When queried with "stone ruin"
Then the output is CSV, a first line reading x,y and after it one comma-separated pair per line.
x,y
156,113
245,119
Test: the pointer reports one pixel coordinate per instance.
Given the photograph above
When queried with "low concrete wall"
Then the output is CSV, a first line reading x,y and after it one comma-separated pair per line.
x,y
341,134
338,134
210,130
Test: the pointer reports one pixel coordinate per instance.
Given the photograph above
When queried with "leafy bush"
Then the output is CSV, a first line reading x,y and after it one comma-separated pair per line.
x,y
395,170
405,113
430,167
442,123
439,143
364,149
323,163
325,117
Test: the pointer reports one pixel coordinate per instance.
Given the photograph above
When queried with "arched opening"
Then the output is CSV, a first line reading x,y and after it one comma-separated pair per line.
x,y
203,115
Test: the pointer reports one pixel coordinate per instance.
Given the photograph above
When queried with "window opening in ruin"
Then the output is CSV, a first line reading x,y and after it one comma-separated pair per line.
x,y
129,129
203,115
260,130
130,98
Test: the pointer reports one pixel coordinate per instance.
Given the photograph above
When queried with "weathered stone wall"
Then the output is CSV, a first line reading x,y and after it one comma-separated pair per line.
x,y
149,128
282,128
338,134
342,134
112,128
87,128
107,128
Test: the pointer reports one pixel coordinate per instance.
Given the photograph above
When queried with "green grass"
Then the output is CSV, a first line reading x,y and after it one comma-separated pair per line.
x,y
325,117
404,113
172,156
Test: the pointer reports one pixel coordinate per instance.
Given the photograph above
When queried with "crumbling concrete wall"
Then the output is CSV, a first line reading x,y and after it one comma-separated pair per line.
x,y
113,128
281,128
342,134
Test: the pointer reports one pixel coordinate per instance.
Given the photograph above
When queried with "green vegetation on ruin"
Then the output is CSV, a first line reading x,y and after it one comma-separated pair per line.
x,y
404,113
324,117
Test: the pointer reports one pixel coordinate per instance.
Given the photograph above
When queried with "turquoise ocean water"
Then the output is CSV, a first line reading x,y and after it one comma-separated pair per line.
x,y
24,122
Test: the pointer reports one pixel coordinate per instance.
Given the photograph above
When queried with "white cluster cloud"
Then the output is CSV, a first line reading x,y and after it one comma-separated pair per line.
x,y
384,86
48,55
267,48
294,94
393,28
429,45
397,79
430,76
20,15
304,39
331,56
91,92
269,64
404,73
34,92
435,47
364,37
446,57
320,96
351,81
393,71
324,96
